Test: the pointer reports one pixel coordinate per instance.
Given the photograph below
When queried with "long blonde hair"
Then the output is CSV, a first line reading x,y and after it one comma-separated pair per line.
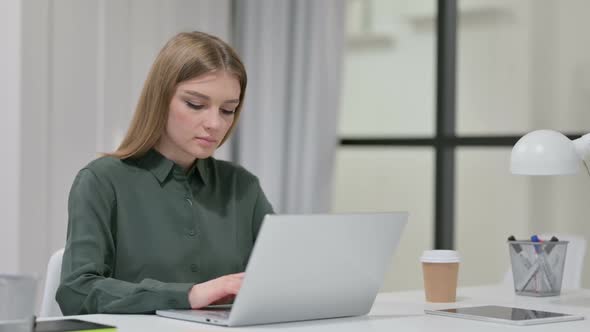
x,y
187,55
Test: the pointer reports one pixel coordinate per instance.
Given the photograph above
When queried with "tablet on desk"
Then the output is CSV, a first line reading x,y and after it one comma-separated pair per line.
x,y
506,315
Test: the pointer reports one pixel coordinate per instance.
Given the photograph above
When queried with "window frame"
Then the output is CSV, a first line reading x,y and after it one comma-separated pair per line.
x,y
445,141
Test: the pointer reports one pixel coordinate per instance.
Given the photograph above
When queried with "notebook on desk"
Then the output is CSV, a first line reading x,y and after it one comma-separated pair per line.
x,y
307,267
71,325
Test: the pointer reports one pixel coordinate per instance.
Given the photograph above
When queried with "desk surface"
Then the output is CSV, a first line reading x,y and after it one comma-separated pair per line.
x,y
400,311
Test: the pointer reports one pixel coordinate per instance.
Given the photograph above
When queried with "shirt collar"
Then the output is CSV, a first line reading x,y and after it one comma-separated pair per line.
x,y
161,166
200,169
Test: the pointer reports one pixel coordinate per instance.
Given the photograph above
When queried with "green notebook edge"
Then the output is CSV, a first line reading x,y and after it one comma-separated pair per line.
x,y
69,325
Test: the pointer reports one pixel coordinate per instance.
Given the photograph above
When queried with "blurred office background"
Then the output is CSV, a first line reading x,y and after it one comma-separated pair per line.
x,y
521,65
340,113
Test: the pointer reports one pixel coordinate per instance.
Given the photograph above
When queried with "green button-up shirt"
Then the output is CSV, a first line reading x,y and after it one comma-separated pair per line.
x,y
142,232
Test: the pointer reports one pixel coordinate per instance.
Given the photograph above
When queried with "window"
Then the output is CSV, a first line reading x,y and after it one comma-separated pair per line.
x,y
520,66
388,97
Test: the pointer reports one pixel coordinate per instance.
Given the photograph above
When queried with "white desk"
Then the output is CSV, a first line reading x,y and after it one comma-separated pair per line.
x,y
393,312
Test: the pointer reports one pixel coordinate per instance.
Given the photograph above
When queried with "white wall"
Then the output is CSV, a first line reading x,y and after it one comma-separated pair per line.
x,y
34,154
10,119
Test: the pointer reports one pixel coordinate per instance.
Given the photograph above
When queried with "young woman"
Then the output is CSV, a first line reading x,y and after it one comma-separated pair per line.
x,y
160,223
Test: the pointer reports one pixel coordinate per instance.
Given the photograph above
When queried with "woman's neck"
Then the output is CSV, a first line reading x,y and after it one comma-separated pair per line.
x,y
173,153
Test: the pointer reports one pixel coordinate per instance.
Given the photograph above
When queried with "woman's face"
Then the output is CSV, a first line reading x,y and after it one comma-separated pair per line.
x,y
201,112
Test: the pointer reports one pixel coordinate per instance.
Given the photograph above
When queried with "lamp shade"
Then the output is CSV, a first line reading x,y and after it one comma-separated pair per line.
x,y
544,152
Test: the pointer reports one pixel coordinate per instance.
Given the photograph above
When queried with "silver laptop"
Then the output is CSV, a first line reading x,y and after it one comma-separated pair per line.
x,y
306,267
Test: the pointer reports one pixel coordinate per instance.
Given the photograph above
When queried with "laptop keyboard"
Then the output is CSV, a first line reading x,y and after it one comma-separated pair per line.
x,y
221,314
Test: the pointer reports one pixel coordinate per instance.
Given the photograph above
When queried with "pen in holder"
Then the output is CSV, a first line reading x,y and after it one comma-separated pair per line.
x,y
537,267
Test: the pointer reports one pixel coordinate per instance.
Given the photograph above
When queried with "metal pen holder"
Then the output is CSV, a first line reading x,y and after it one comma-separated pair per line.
x,y
537,267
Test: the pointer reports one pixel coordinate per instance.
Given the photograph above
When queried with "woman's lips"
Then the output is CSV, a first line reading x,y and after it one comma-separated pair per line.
x,y
207,141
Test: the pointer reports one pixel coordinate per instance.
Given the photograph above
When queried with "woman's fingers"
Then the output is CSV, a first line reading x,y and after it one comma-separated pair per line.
x,y
216,291
225,300
233,285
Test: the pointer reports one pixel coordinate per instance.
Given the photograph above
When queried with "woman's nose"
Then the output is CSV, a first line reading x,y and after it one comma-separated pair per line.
x,y
212,120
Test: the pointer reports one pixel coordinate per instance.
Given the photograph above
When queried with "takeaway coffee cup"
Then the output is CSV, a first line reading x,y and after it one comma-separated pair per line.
x,y
440,270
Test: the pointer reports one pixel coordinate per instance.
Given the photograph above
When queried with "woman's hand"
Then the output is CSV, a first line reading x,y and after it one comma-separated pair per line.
x,y
217,291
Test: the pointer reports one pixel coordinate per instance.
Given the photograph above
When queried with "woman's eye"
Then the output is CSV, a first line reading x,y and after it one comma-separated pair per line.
x,y
227,112
194,106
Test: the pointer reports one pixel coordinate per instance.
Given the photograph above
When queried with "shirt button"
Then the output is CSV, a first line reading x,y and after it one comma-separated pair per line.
x,y
190,201
194,267
192,232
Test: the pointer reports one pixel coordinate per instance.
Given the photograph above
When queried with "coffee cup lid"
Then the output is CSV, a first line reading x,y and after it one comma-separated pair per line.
x,y
440,256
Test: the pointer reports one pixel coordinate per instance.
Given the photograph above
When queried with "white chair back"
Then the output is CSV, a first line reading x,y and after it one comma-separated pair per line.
x,y
49,306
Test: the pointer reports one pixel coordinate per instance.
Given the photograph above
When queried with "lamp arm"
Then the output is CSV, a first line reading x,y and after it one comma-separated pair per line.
x,y
582,145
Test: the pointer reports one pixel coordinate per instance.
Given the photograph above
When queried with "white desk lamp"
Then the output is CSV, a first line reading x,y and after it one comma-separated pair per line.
x,y
548,152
